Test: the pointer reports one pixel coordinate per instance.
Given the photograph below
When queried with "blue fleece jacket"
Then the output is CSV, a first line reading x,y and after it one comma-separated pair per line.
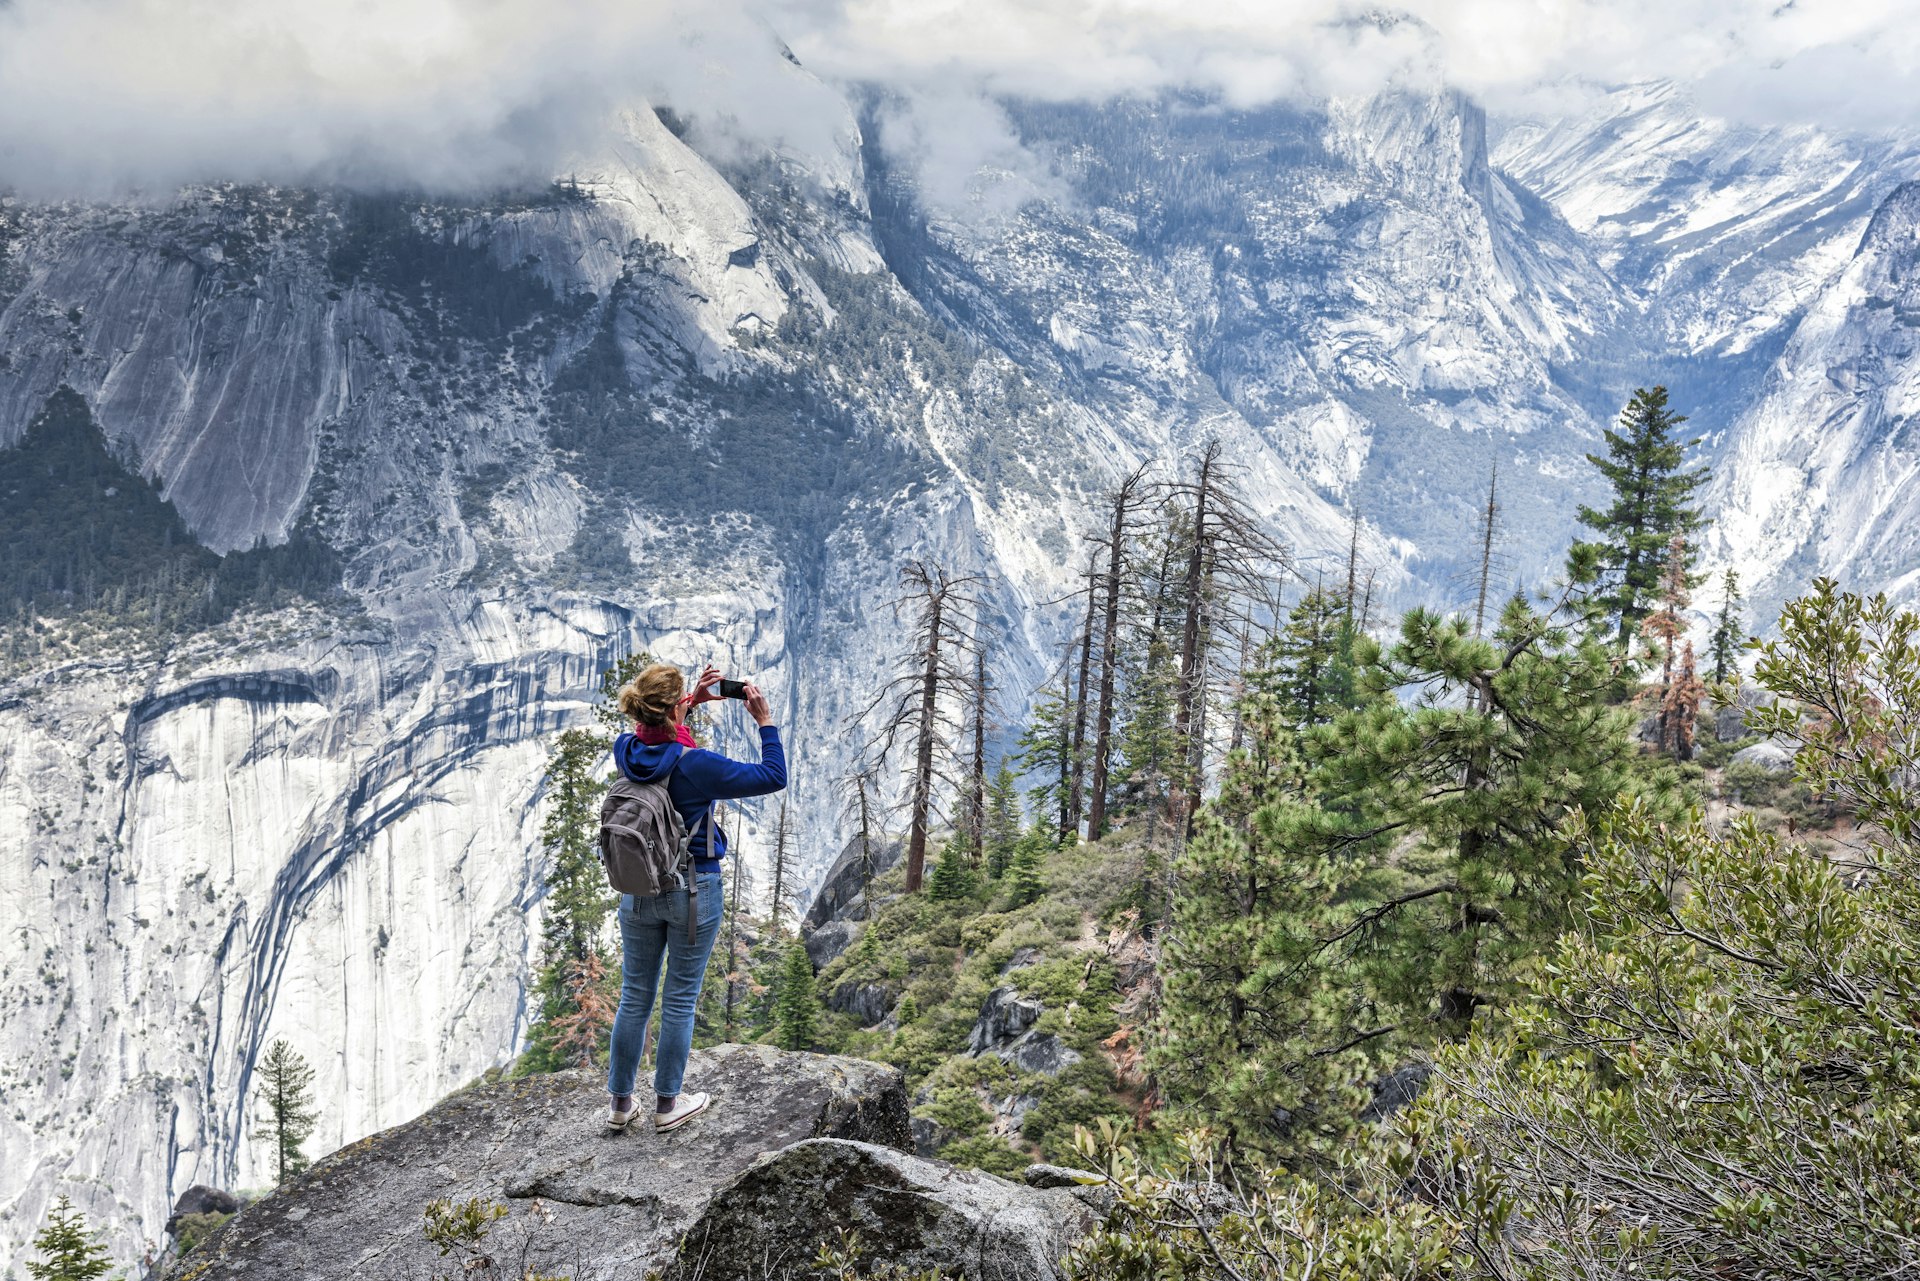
x,y
699,779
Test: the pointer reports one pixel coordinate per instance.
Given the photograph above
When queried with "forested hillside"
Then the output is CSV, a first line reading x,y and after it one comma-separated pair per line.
x,y
1515,942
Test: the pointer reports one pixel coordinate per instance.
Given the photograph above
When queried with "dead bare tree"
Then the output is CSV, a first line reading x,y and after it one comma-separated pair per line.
x,y
1076,792
1228,554
1124,505
922,702
977,767
782,873
859,806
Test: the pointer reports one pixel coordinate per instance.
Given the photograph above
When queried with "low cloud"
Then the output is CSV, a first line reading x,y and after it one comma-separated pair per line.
x,y
98,97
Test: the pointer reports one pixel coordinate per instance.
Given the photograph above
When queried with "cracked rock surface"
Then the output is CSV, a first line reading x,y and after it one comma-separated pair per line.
x,y
581,1201
911,1212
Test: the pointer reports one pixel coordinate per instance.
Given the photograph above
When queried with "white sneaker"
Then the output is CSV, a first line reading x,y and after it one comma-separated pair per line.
x,y
617,1120
685,1108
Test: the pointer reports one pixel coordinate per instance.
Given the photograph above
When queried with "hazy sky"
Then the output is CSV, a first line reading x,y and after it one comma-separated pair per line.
x,y
99,95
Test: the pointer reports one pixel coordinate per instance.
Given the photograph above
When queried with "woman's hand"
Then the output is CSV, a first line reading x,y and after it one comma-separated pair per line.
x,y
703,688
758,707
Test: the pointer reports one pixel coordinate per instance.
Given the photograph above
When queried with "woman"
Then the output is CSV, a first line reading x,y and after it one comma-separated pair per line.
x,y
650,928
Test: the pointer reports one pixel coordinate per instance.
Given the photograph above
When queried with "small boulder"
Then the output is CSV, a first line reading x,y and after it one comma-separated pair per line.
x,y
1041,1052
1060,1176
1769,755
826,942
910,1213
1004,1018
1396,1090
1020,960
201,1199
868,1003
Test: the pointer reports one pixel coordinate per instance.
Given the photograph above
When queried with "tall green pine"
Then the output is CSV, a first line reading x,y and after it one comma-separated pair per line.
x,y
68,1251
1003,820
796,1010
1729,634
286,1094
1334,917
1653,500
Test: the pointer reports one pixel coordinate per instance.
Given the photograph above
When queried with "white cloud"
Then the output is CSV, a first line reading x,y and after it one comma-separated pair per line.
x,y
97,95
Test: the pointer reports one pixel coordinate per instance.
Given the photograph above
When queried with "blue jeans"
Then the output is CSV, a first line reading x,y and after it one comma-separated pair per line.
x,y
649,928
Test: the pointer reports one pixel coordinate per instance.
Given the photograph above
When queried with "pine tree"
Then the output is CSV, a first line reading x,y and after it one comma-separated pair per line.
x,y
286,1092
1335,915
1653,493
578,900
1308,667
796,1009
68,1251
1729,634
1045,753
1026,877
1245,910
1003,820
952,877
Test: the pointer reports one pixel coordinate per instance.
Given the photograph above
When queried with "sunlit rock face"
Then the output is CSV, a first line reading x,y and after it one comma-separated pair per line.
x,y
708,403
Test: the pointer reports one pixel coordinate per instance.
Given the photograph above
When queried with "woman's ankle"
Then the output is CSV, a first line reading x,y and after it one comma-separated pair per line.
x,y
663,1103
622,1102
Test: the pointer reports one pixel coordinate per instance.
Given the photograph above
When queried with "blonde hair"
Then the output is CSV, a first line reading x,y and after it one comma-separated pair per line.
x,y
649,698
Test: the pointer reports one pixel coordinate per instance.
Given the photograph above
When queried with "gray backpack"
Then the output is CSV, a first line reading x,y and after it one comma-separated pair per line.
x,y
645,846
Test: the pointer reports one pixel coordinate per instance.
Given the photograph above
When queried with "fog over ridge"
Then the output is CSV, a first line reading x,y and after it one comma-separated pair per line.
x,y
101,97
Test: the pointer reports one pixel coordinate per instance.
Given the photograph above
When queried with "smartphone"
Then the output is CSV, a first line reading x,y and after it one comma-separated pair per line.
x,y
733,689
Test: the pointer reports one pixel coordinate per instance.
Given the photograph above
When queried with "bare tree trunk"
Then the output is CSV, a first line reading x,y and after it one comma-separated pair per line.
x,y
1123,500
1078,797
1064,790
1192,654
779,870
866,843
1487,518
923,749
977,775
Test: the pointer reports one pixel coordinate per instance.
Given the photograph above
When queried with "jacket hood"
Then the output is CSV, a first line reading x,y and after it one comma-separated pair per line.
x,y
645,762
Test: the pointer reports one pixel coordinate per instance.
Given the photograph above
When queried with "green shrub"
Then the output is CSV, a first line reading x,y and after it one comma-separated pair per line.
x,y
192,1229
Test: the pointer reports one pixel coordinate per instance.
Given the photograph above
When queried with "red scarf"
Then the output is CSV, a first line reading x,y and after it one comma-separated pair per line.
x,y
655,735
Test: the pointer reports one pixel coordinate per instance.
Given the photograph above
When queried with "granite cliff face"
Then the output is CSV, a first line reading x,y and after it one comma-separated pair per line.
x,y
708,402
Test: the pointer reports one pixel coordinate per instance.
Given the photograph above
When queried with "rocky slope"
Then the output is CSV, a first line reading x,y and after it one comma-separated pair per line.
x,y
707,401
796,1148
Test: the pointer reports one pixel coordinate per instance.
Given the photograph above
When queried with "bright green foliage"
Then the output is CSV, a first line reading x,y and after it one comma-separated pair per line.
x,y
1003,820
578,898
1720,1074
1026,870
459,1225
1653,494
1151,750
953,873
1187,1224
796,1010
1046,755
286,1094
1729,635
68,1252
1244,1012
192,1229
1341,915
1309,667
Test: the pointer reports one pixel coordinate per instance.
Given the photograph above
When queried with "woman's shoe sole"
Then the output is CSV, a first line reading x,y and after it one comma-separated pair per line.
x,y
677,1122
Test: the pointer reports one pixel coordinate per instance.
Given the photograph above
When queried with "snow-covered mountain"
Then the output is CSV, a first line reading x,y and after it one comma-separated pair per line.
x,y
708,400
